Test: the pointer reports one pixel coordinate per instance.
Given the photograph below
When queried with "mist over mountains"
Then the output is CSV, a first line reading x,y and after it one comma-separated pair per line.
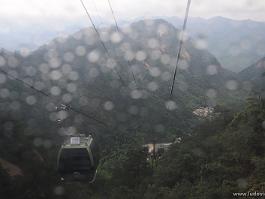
x,y
119,92
236,44
77,70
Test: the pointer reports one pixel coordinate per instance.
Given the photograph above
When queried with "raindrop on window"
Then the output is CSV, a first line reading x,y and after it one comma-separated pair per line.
x,y
71,87
12,62
24,52
54,62
69,57
116,37
171,105
73,76
153,43
108,105
55,90
55,75
152,86
111,63
31,100
166,76
66,69
59,190
2,61
129,55
231,85
211,93
31,71
140,56
93,56
136,94
67,98
154,71
2,78
93,72
37,142
212,70
4,93
44,68
165,59
80,51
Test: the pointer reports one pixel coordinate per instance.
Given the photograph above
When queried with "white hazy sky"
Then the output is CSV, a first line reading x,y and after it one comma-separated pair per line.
x,y
124,9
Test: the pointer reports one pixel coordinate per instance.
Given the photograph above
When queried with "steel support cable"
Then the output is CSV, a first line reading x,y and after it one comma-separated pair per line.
x,y
97,10
118,30
105,48
113,15
69,106
102,43
154,96
180,45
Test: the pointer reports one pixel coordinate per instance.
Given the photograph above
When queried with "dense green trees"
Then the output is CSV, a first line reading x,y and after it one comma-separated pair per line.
x,y
216,157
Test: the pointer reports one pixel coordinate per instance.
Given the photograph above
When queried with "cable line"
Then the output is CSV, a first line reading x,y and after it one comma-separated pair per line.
x,y
69,106
102,43
113,15
118,30
180,45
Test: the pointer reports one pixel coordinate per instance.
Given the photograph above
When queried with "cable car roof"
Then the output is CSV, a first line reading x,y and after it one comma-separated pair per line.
x,y
78,141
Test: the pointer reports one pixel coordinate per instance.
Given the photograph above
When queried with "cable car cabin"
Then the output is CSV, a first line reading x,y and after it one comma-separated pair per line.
x,y
78,159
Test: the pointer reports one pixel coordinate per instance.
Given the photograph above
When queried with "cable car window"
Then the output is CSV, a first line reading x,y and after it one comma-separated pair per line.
x,y
74,160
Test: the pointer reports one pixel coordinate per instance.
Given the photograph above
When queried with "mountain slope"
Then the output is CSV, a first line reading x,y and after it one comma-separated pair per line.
x,y
76,70
253,77
236,43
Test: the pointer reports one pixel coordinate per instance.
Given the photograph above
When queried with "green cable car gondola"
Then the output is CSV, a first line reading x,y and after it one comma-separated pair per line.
x,y
78,159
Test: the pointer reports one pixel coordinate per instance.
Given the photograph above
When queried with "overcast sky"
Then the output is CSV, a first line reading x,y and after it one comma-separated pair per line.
x,y
124,9
32,23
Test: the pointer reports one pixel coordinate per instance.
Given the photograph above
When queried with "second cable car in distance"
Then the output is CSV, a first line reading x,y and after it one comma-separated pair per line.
x,y
78,159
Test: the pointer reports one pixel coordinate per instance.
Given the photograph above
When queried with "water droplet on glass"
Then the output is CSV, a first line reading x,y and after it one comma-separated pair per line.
x,y
231,85
80,51
59,190
93,56
2,61
152,86
108,105
171,105
55,90
211,93
31,100
136,94
116,37
212,70
2,78
140,56
68,57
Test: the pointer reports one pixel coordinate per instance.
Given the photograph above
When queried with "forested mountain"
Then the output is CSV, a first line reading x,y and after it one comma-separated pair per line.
x,y
236,43
77,70
253,77
72,85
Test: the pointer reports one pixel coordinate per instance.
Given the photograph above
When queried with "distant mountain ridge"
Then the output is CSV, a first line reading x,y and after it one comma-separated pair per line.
x,y
236,43
253,77
76,69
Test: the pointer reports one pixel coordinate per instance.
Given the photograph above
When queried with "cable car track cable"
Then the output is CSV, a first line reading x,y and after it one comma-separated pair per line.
x,y
69,106
180,45
102,43
118,30
113,15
